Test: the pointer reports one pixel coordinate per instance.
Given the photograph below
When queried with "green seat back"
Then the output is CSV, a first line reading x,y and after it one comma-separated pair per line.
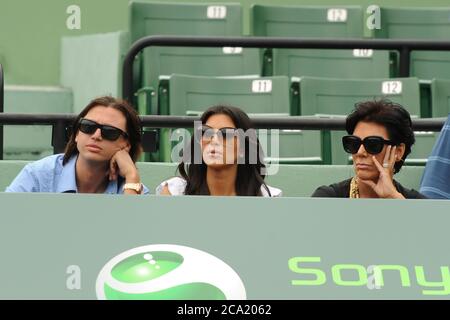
x,y
163,18
292,146
194,19
337,97
31,142
421,149
307,21
419,23
199,61
317,22
86,58
9,169
190,95
440,97
356,63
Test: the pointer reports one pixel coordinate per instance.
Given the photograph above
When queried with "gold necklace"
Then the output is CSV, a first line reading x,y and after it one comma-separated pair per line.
x,y
354,190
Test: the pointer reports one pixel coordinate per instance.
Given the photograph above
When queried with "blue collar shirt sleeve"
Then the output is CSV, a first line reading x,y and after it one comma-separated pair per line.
x,y
49,175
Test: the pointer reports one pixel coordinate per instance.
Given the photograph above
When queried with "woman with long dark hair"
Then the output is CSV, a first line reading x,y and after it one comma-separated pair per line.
x,y
225,159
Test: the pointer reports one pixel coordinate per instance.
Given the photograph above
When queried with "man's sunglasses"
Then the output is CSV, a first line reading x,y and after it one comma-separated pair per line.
x,y
372,144
108,132
222,133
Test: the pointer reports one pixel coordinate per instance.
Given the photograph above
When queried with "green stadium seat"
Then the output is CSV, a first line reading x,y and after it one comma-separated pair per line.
x,y
9,169
428,65
30,142
421,150
91,65
337,97
191,95
163,18
196,19
440,98
307,21
317,22
199,61
419,23
357,63
414,23
294,180
292,146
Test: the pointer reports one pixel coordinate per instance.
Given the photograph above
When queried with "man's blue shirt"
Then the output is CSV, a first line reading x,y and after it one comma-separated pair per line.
x,y
435,182
50,175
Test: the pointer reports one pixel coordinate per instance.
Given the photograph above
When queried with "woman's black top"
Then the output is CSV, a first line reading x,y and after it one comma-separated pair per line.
x,y
342,190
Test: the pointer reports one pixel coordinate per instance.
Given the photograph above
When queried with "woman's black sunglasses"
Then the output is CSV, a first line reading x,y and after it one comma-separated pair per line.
x,y
372,144
108,132
222,133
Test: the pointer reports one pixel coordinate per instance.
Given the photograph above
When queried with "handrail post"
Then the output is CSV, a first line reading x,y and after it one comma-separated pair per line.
x,y
59,136
405,60
2,96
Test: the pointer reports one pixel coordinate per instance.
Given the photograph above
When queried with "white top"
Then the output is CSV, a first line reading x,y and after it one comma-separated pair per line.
x,y
177,185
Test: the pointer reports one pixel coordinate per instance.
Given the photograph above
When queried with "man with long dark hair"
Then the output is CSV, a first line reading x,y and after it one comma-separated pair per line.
x,y
99,157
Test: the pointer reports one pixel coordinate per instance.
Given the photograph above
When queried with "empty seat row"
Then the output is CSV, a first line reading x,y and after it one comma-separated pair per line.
x,y
269,96
191,95
213,19
276,96
285,21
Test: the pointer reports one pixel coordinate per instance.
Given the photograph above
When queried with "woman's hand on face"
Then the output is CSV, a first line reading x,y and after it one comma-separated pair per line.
x,y
122,164
384,187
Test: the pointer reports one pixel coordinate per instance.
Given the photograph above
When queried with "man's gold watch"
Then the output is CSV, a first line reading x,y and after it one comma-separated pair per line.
x,y
133,186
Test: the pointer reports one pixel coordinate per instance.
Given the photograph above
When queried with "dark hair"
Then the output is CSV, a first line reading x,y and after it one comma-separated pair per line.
x,y
133,126
392,116
249,175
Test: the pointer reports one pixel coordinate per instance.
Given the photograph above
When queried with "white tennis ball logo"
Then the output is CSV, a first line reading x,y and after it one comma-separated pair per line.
x,y
164,271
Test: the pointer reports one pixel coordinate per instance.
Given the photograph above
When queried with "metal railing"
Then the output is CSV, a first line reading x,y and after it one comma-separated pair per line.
x,y
61,122
2,103
404,47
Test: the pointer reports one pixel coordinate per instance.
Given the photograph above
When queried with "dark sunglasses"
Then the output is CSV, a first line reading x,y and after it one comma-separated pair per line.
x,y
108,132
222,133
372,144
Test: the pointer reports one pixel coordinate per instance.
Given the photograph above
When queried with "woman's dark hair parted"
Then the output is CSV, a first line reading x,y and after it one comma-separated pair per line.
x,y
133,126
250,176
392,116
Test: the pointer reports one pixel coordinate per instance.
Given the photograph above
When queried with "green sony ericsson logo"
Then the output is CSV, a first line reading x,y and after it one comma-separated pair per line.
x,y
163,271
313,276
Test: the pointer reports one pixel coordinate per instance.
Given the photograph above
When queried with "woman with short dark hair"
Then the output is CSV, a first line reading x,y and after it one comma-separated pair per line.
x,y
228,162
380,138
